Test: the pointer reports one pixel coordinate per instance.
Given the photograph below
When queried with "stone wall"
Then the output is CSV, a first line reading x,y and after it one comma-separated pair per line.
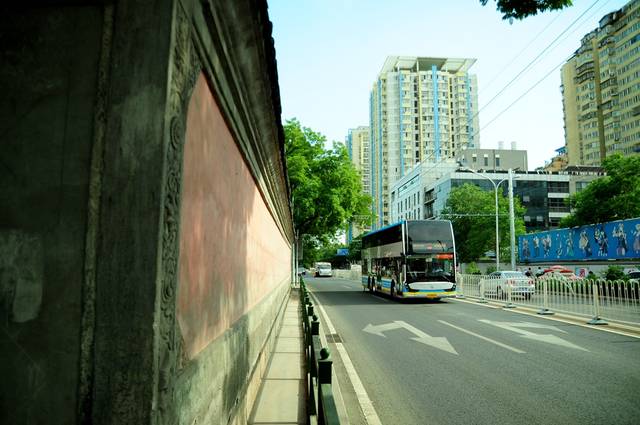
x,y
145,227
49,71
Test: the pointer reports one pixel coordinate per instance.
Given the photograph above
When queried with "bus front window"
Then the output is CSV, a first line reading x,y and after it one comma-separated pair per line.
x,y
429,269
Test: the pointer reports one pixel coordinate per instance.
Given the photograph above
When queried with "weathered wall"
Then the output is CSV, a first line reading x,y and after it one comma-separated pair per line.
x,y
232,255
49,60
145,229
231,252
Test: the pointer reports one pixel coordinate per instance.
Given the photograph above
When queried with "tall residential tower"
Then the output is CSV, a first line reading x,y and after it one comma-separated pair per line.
x,y
420,108
601,90
358,145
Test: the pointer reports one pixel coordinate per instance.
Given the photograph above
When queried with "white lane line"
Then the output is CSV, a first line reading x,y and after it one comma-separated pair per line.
x,y
493,341
370,414
348,287
556,318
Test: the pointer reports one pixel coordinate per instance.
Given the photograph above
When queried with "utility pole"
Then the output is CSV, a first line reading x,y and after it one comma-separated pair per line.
x,y
512,221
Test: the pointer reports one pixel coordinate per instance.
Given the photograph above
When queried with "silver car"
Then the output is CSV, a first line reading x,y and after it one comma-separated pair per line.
x,y
502,282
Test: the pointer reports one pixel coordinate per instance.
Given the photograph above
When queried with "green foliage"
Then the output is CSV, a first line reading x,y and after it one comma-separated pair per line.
x,y
326,188
614,273
315,250
472,268
491,269
612,197
520,9
472,212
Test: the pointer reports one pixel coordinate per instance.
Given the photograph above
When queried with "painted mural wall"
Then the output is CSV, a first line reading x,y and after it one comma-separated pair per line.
x,y
615,240
232,253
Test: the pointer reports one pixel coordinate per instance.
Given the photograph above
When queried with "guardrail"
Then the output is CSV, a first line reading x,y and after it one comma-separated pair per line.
x,y
599,300
320,404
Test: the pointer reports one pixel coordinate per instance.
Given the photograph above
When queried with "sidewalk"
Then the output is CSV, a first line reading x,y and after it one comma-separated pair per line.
x,y
282,395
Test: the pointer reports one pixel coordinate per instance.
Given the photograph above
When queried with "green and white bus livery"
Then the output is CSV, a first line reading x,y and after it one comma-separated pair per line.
x,y
410,259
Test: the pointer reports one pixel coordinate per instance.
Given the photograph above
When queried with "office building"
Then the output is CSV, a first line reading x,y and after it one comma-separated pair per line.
x,y
421,109
494,159
423,193
601,90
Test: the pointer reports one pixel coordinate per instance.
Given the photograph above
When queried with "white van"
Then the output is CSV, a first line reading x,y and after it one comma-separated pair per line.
x,y
323,269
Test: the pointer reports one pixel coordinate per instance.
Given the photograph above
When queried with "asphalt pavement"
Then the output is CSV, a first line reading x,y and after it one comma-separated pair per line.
x,y
457,362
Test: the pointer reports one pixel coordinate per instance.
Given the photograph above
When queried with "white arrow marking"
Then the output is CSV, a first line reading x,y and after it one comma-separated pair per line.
x,y
435,341
533,326
549,339
493,341
377,330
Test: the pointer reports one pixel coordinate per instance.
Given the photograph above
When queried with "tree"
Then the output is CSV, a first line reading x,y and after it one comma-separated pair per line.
x,y
472,213
612,197
326,188
520,9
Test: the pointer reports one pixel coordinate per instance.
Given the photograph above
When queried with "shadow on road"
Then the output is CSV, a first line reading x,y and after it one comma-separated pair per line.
x,y
347,297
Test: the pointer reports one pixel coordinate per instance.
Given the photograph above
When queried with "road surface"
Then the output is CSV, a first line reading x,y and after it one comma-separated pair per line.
x,y
455,362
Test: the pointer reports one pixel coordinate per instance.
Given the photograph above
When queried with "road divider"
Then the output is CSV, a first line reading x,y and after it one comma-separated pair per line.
x,y
321,405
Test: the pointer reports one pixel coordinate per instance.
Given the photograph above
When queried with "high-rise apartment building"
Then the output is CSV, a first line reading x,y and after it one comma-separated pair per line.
x,y
358,147
420,108
601,90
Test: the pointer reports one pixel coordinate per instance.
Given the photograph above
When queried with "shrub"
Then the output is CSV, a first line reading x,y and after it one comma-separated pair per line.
x,y
491,269
472,268
614,273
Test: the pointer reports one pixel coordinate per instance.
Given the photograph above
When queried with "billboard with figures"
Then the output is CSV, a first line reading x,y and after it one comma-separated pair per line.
x,y
615,240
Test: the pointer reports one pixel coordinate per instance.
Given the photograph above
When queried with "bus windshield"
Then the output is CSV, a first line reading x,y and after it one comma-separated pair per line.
x,y
430,268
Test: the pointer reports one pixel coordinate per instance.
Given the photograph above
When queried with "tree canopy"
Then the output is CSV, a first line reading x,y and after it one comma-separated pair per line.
x,y
520,9
326,187
472,213
611,197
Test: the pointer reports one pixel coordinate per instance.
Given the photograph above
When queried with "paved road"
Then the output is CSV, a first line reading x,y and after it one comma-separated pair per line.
x,y
495,366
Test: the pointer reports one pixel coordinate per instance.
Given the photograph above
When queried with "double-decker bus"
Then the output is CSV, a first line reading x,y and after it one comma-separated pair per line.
x,y
411,259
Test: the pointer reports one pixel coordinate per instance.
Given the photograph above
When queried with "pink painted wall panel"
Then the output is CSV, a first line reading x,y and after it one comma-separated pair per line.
x,y
231,251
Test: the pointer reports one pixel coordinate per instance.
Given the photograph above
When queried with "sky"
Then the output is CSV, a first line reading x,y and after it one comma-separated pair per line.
x,y
329,54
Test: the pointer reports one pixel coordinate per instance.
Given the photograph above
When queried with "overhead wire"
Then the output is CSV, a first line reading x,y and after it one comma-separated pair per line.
x,y
535,59
543,78
522,50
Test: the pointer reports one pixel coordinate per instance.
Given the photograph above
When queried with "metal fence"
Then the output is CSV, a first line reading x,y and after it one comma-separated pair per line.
x,y
597,300
321,406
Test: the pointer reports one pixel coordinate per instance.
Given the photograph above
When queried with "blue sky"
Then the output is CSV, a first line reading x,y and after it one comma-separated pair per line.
x,y
330,52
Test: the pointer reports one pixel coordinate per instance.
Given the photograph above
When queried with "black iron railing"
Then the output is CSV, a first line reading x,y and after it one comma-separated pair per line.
x,y
319,365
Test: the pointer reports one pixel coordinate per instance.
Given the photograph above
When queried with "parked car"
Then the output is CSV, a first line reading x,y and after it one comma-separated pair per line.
x,y
501,282
302,271
634,277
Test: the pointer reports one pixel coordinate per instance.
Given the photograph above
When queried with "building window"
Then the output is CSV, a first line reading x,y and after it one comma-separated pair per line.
x,y
581,185
486,160
558,187
497,161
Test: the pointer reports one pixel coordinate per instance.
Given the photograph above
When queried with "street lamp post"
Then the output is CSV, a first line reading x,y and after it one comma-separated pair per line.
x,y
512,221
495,188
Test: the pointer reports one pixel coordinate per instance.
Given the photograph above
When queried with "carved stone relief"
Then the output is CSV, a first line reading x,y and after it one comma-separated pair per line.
x,y
185,68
